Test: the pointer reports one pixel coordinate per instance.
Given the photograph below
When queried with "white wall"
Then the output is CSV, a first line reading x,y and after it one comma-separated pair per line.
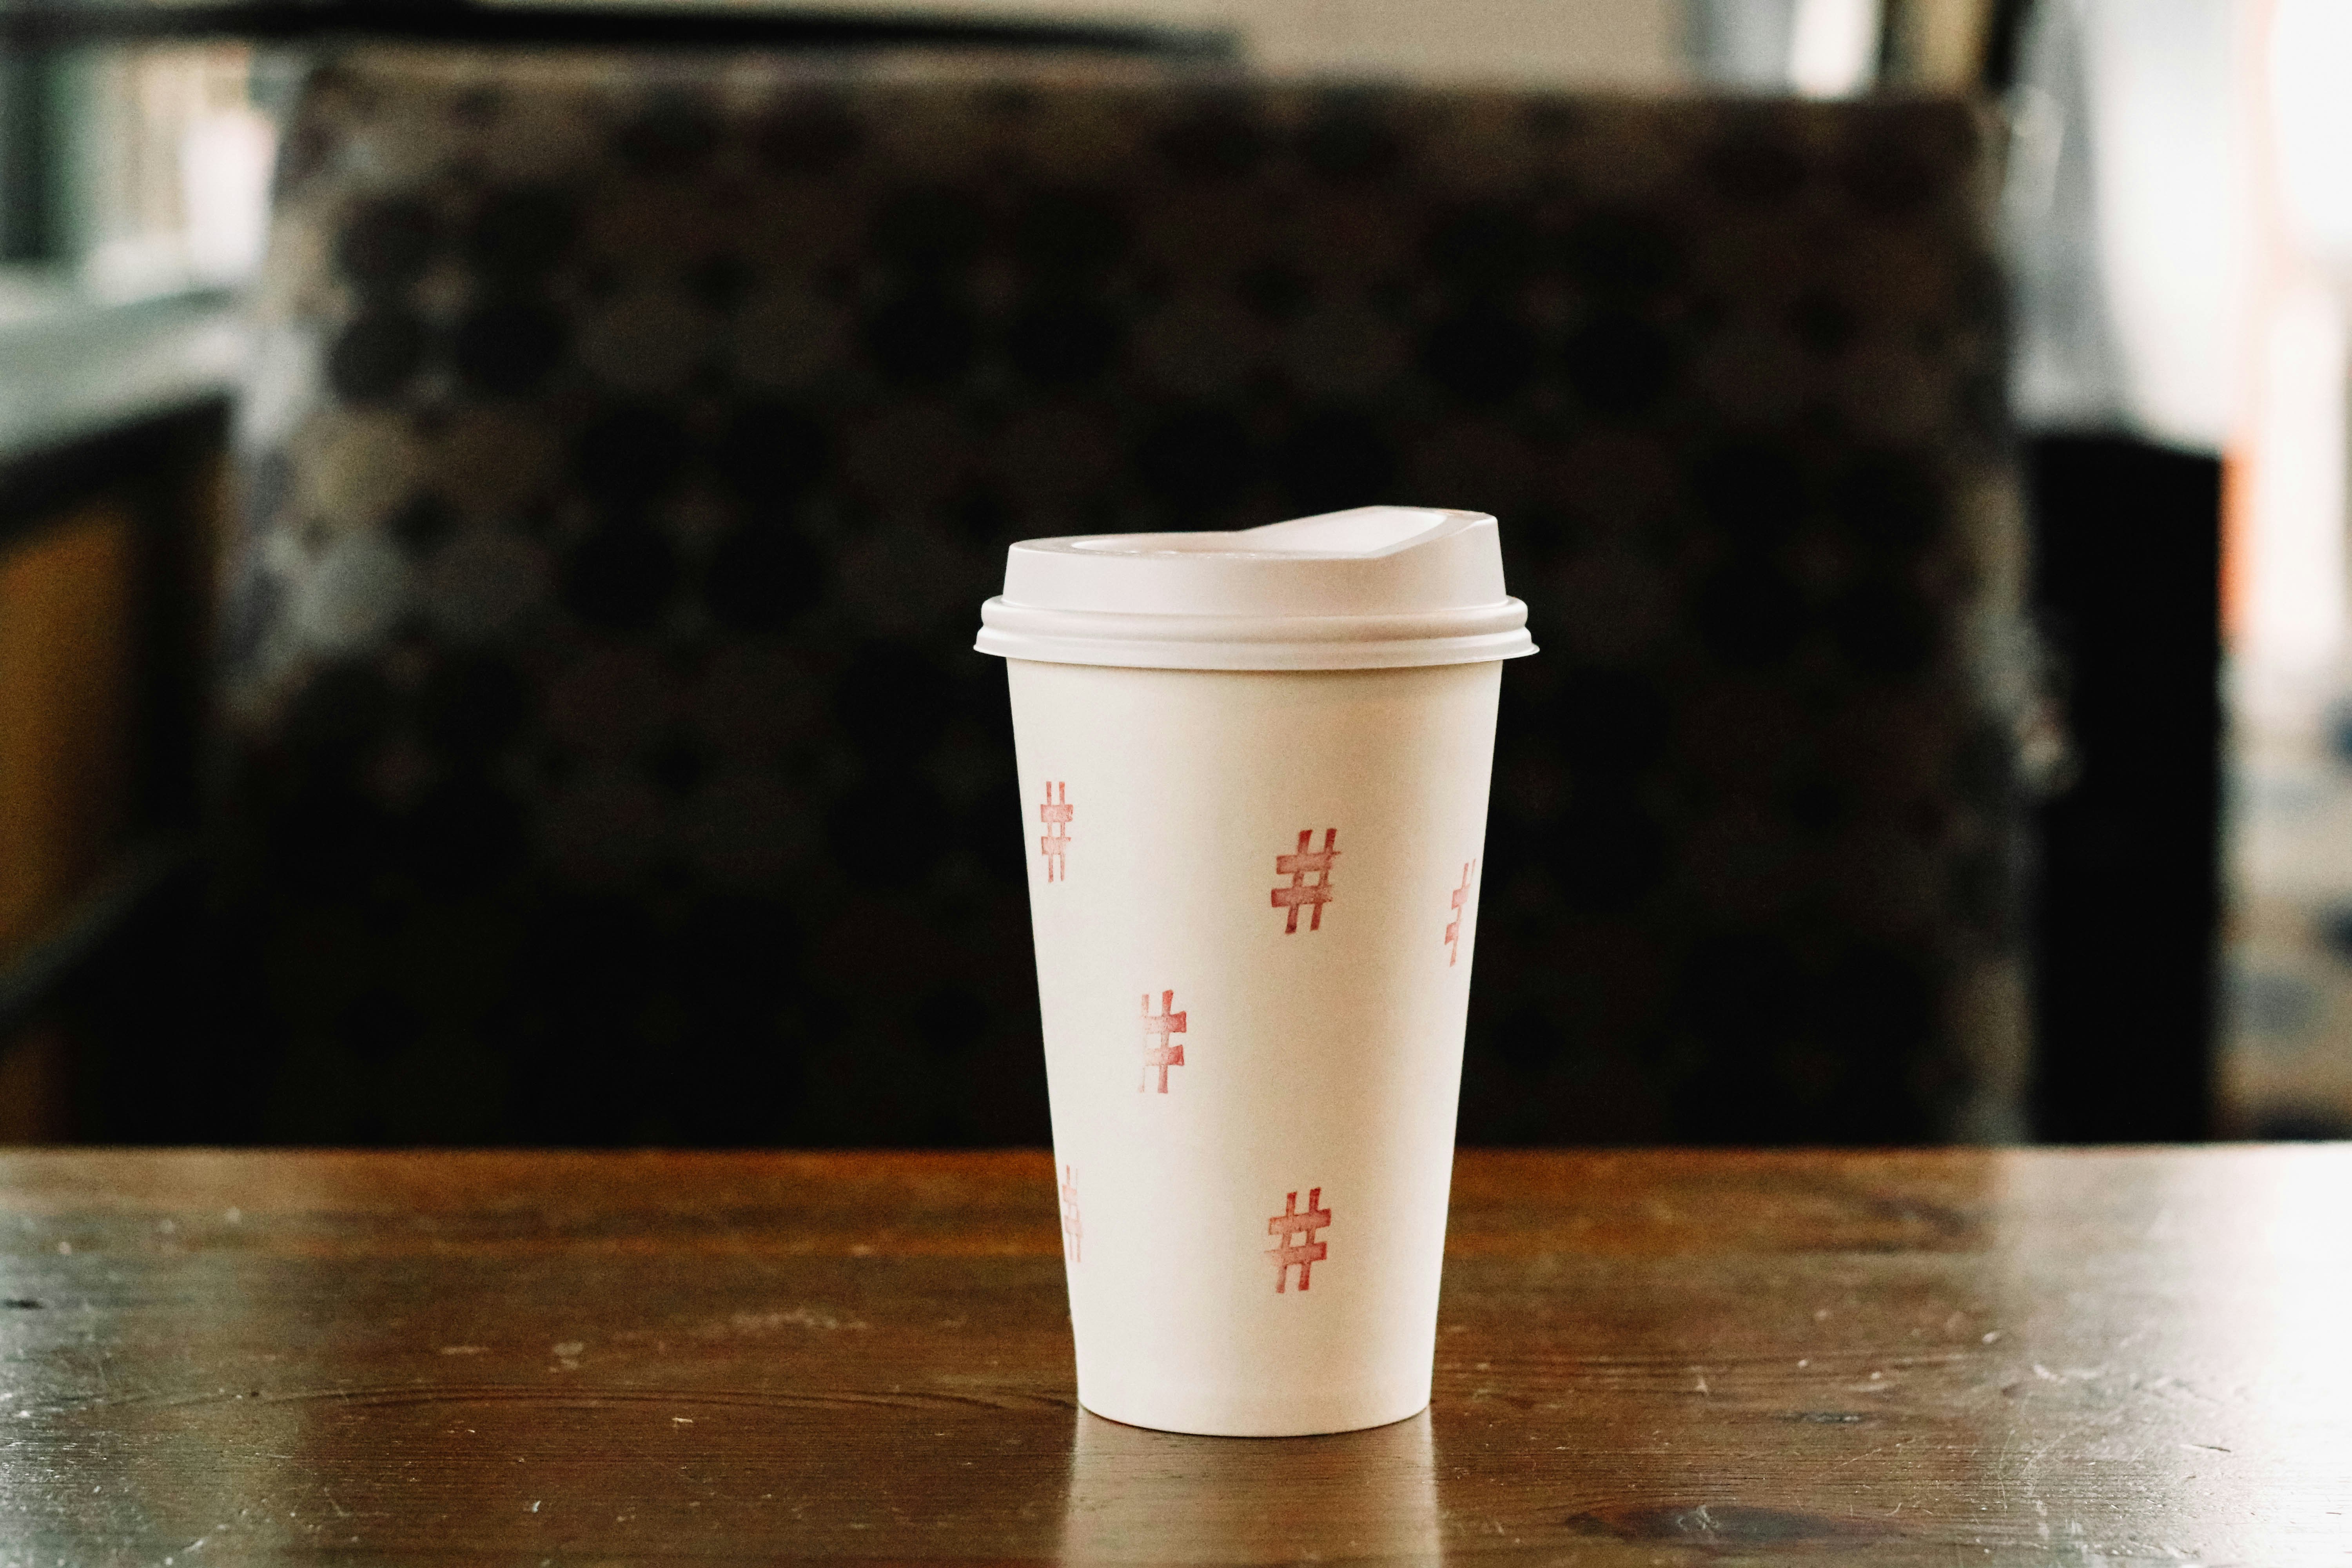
x,y
1579,43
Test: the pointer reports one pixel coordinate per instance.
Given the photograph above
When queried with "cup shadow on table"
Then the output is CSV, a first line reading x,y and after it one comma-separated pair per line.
x,y
1136,1496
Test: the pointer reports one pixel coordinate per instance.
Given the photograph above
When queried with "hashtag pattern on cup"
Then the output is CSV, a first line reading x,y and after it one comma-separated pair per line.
x,y
1055,813
1453,926
1315,863
1158,1051
1306,1251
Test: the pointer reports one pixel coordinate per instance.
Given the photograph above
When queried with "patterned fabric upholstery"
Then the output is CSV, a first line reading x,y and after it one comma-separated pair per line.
x,y
634,441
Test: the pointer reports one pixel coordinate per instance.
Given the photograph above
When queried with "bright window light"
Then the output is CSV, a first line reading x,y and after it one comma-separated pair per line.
x,y
2311,57
1834,50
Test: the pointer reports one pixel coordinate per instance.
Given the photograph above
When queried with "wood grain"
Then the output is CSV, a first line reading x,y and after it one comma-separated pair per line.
x,y
1654,1358
66,602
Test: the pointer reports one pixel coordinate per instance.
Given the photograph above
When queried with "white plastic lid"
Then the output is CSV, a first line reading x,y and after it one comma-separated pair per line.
x,y
1379,587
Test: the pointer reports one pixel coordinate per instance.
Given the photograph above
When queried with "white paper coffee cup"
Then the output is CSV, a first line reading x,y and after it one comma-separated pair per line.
x,y
1255,772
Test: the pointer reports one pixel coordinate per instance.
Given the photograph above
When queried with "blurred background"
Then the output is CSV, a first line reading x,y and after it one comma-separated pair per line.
x,y
494,501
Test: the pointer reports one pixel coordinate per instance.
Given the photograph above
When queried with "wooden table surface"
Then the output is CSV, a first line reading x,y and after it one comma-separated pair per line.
x,y
1657,1358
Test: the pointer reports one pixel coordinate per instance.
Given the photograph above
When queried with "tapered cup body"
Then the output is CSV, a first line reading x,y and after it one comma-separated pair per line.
x,y
1255,897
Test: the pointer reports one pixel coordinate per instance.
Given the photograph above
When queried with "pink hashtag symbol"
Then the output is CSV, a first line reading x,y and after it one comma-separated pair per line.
x,y
1158,1027
1073,1230
1315,863
1306,1252
1056,815
1454,927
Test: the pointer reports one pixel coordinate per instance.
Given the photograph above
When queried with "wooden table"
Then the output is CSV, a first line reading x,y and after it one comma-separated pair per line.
x,y
1678,1358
